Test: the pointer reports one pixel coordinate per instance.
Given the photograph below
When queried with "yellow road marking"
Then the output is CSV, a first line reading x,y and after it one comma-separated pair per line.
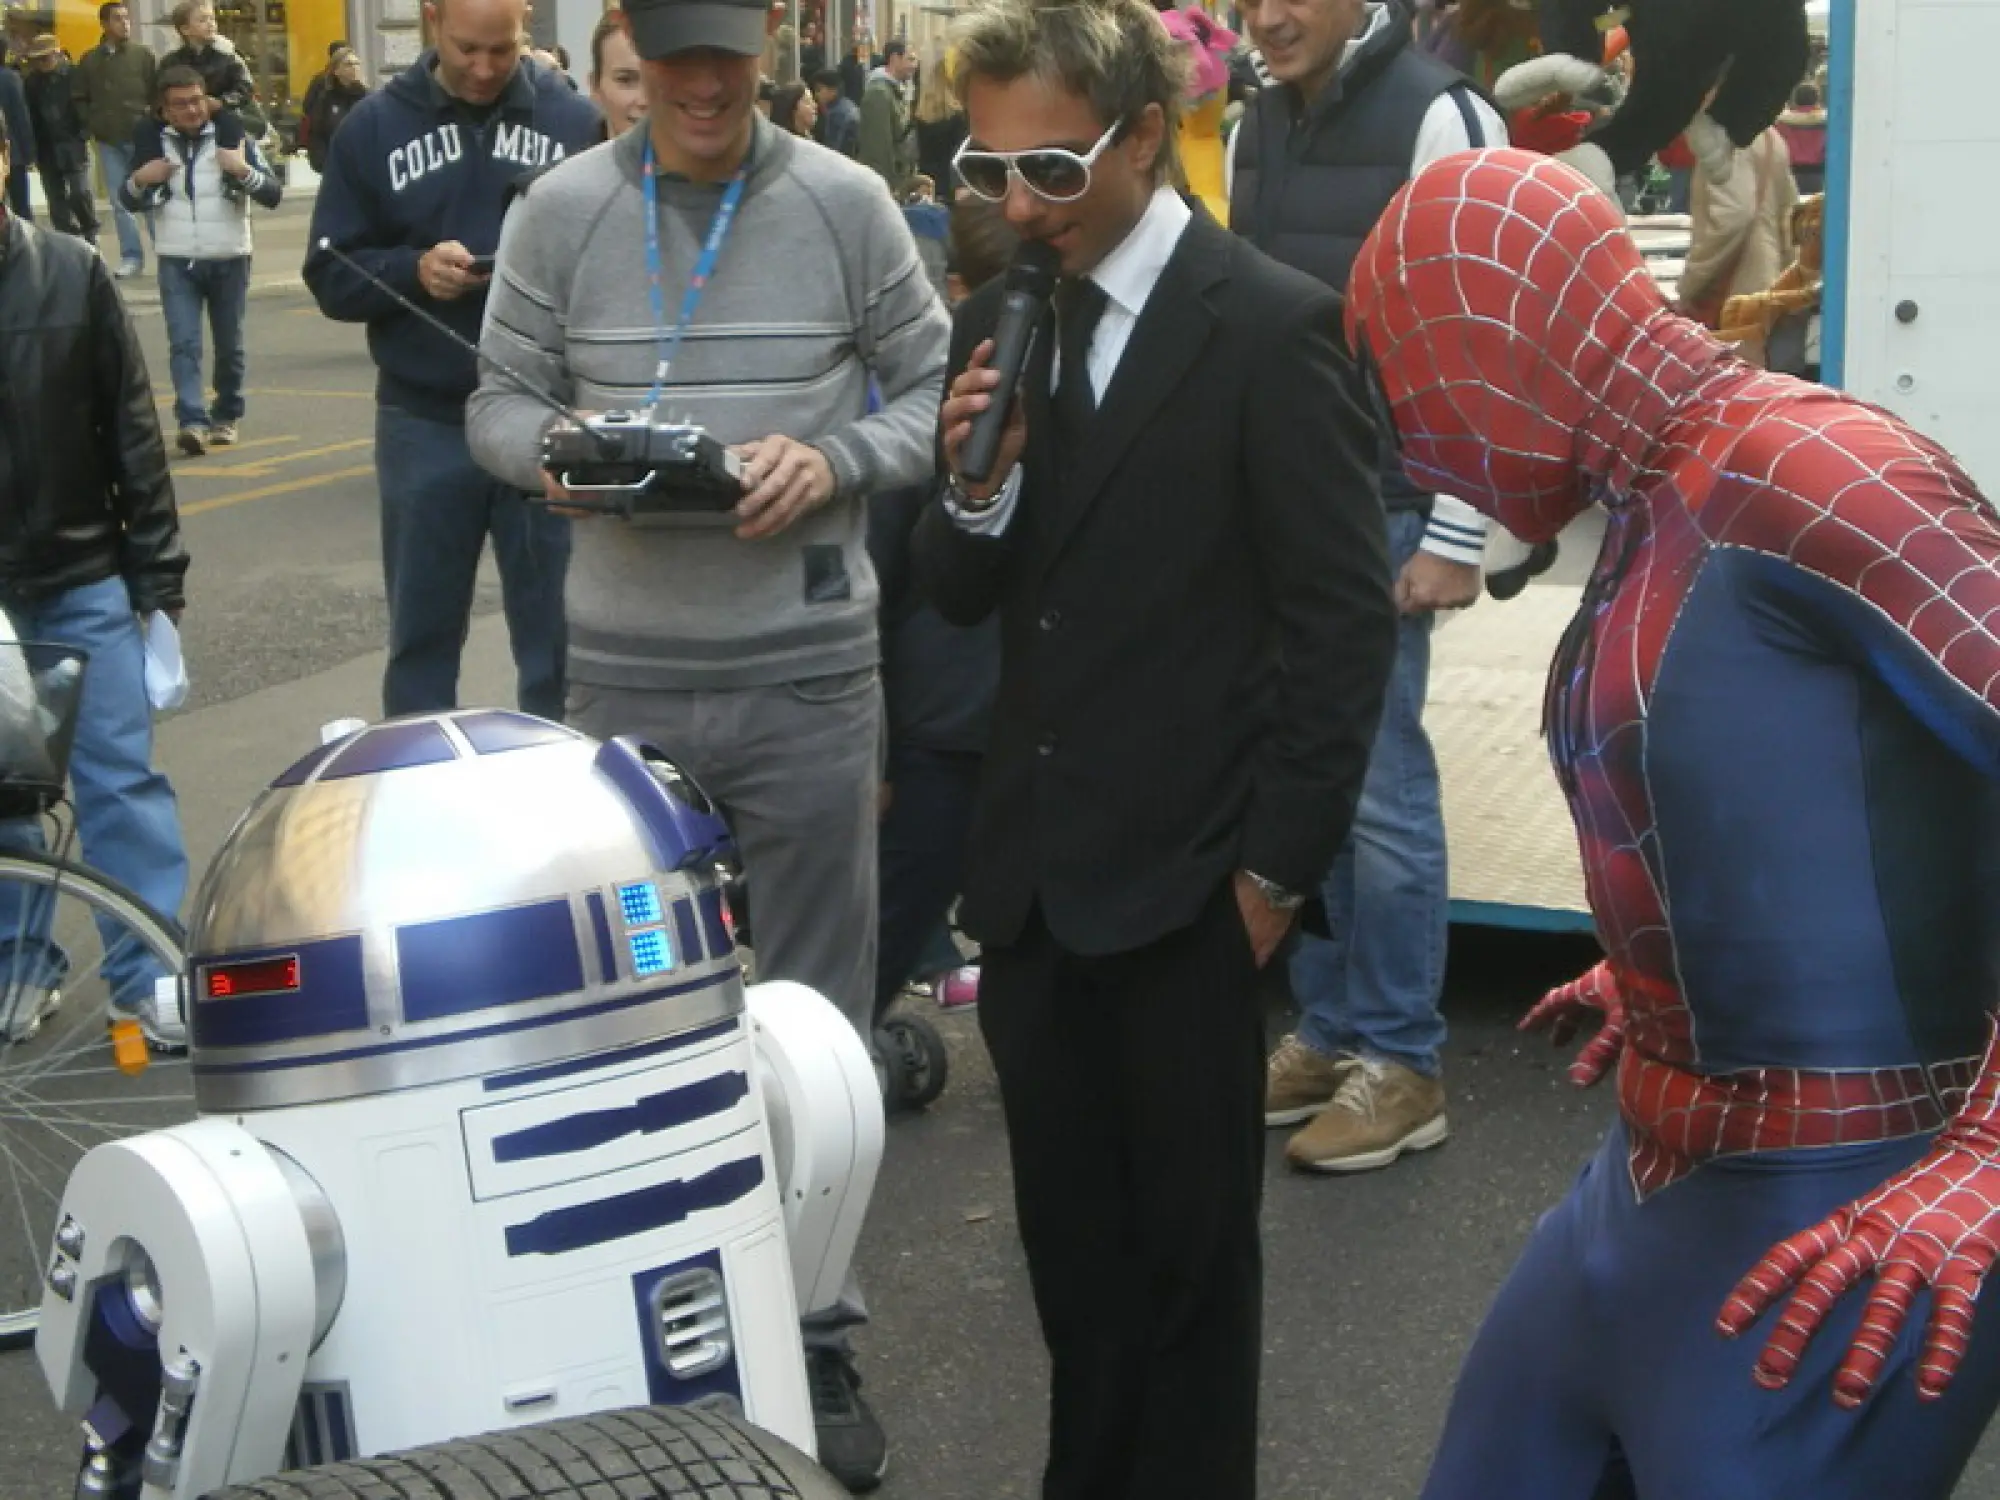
x,y
273,390
264,468
269,491
262,442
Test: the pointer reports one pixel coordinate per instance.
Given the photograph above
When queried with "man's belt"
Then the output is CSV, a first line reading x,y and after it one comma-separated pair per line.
x,y
1679,1119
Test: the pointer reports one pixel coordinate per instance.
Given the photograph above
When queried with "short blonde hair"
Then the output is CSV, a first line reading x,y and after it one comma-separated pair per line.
x,y
1115,53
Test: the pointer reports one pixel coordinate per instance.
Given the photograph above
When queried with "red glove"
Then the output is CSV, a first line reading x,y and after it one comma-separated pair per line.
x,y
1549,131
1565,1009
1935,1225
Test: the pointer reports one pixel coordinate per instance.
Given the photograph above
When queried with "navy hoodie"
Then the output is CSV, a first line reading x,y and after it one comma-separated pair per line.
x,y
411,168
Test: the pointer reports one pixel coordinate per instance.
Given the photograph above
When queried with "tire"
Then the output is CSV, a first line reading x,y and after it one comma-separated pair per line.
x,y
642,1453
915,1059
62,1094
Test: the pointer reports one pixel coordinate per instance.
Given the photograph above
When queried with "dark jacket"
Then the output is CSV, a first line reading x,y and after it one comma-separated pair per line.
x,y
21,139
114,90
223,74
1196,624
938,679
840,126
1311,180
410,169
82,467
60,143
326,111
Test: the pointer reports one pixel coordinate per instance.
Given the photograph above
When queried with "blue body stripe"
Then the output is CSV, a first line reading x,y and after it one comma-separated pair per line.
x,y
562,1230
667,1110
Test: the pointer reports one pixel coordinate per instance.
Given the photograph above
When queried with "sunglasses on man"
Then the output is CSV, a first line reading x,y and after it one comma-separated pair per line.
x,y
1055,173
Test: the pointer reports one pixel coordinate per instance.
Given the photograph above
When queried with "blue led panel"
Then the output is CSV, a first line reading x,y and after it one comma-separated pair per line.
x,y
651,953
640,904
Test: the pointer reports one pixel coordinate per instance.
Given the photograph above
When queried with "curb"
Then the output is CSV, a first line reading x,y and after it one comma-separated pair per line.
x,y
144,290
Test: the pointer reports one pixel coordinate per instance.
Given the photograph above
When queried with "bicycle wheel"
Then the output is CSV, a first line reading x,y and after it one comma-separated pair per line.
x,y
61,927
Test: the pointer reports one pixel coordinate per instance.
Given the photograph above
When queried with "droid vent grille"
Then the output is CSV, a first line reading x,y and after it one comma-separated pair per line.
x,y
691,1314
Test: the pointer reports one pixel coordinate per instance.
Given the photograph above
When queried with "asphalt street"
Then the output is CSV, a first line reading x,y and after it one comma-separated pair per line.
x,y
1375,1284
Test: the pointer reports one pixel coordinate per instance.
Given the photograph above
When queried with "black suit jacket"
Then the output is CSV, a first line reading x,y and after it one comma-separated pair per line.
x,y
1196,616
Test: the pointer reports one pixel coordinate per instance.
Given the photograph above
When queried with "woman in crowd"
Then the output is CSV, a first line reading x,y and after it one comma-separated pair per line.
x,y
339,91
616,85
793,108
941,127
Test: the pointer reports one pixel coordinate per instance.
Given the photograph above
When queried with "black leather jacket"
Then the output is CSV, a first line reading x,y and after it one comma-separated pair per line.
x,y
84,488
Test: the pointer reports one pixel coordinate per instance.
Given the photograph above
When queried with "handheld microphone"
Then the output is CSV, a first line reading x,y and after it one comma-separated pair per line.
x,y
1031,280
520,383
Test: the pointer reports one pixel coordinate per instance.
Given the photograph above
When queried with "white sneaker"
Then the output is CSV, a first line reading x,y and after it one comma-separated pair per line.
x,y
127,269
159,1017
27,1007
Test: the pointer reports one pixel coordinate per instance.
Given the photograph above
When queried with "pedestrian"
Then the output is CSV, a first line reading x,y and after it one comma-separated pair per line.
x,y
1354,111
62,150
1182,539
1740,235
617,86
839,116
888,142
794,111
92,547
746,642
338,91
197,176
115,86
320,80
1803,127
416,184
21,130
214,57
940,129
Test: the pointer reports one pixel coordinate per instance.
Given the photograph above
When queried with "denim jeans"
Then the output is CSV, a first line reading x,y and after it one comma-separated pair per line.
x,y
126,818
438,508
1374,988
223,287
116,161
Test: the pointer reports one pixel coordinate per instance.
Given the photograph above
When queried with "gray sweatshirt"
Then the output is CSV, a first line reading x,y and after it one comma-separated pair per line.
x,y
818,287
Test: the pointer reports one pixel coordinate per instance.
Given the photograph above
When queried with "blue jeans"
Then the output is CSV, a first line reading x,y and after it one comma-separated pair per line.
x,y
126,817
438,508
1374,988
223,287
116,161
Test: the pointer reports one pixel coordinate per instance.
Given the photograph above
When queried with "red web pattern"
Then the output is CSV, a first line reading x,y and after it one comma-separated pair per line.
x,y
1532,367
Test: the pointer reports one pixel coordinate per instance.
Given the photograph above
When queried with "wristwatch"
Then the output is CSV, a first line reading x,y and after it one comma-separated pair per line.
x,y
964,504
1275,896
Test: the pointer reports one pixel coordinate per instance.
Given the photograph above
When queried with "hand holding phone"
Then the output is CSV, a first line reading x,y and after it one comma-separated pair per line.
x,y
482,265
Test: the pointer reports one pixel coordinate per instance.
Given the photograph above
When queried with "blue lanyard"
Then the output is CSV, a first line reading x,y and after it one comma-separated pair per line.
x,y
667,342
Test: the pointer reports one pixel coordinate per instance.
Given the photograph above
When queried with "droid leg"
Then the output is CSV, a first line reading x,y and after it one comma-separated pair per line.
x,y
182,1300
824,1108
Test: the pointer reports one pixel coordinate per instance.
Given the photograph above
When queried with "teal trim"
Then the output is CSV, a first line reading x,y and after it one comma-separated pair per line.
x,y
1839,189
1520,918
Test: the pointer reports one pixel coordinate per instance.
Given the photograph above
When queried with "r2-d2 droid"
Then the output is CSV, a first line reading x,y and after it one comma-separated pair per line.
x,y
490,1131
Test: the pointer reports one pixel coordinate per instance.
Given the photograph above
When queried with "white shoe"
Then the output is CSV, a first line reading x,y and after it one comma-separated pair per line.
x,y
127,269
28,1007
159,1017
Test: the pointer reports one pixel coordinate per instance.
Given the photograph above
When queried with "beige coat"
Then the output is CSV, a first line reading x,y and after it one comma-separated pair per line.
x,y
1741,239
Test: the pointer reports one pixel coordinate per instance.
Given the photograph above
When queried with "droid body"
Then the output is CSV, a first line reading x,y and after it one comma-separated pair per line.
x,y
490,1132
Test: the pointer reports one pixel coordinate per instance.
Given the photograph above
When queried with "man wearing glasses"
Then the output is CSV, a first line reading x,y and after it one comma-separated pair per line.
x,y
665,270
1184,544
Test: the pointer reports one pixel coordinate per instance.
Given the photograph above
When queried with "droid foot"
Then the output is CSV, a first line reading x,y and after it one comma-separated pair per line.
x,y
852,1445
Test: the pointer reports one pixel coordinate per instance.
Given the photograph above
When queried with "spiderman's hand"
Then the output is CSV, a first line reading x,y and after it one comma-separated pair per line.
x,y
1935,1225
1565,1009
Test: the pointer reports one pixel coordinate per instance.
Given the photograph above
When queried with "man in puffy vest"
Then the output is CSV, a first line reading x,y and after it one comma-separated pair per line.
x,y
198,174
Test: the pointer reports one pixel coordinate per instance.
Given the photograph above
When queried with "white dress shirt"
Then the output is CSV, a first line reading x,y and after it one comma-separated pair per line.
x,y
1456,531
1127,277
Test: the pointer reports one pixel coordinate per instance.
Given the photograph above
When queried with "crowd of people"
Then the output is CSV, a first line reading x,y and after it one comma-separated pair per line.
x,y
912,687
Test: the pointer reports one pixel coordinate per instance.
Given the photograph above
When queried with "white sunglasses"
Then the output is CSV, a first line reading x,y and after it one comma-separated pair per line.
x,y
1055,173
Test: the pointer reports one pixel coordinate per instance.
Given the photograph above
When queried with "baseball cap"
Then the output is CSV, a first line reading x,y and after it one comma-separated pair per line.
x,y
660,28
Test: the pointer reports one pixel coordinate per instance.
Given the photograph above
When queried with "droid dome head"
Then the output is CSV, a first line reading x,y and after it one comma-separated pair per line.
x,y
455,895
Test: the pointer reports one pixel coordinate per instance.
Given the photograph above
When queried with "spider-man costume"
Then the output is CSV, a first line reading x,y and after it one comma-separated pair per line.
x,y
1777,721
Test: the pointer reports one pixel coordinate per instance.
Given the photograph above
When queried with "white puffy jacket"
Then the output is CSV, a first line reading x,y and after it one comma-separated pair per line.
x,y
198,214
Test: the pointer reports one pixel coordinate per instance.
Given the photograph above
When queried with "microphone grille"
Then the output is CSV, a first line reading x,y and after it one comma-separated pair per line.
x,y
1035,268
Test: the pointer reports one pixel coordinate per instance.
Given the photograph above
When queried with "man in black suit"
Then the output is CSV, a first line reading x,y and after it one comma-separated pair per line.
x,y
1185,545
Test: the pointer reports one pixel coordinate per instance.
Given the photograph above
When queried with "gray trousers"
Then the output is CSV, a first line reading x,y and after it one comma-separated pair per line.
x,y
796,767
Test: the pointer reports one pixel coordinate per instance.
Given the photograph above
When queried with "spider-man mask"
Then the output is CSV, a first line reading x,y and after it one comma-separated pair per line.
x,y
1524,350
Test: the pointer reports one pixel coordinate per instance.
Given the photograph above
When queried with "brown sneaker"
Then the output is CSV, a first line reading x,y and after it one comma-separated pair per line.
x,y
1300,1081
1381,1110
193,441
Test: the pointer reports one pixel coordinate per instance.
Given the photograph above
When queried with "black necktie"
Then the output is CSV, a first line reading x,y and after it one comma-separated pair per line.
x,y
1080,302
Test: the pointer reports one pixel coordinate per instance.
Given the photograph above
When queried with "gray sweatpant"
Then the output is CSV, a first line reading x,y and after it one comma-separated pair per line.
x,y
796,767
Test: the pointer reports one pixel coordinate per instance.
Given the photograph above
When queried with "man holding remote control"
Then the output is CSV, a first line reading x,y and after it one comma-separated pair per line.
x,y
663,272
415,186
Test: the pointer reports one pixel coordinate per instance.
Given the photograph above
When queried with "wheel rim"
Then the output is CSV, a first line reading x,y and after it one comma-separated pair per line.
x,y
61,1092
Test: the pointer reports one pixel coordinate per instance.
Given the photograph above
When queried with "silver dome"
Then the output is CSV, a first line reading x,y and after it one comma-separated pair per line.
x,y
449,896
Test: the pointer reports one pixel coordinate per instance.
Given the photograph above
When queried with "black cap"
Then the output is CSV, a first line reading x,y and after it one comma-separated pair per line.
x,y
660,28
